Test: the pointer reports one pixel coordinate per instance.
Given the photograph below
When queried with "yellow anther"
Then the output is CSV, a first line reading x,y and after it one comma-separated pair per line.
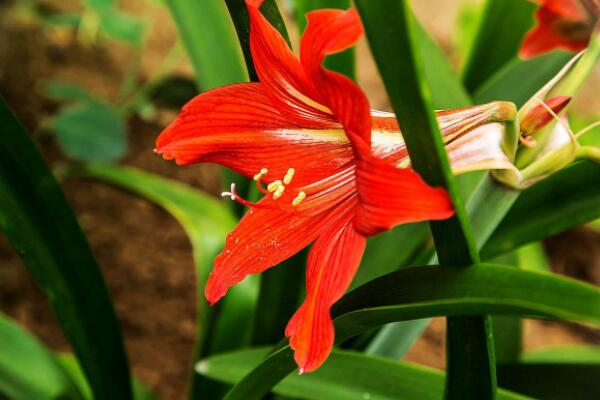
x,y
288,176
273,186
262,173
301,196
278,192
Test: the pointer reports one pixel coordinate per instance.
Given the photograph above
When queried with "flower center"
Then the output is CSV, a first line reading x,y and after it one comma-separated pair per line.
x,y
274,189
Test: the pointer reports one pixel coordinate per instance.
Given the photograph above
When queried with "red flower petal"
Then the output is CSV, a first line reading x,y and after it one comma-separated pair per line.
x,y
238,127
263,238
390,196
554,31
327,32
281,73
332,263
539,116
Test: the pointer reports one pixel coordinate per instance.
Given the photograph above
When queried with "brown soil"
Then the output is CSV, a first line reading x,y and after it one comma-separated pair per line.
x,y
144,254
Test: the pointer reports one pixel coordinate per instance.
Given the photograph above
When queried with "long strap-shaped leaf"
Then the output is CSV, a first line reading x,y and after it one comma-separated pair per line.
x,y
391,29
206,222
210,41
501,29
429,291
40,225
345,376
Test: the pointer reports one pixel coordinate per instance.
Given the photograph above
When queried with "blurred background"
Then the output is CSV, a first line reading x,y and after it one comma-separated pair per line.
x,y
97,81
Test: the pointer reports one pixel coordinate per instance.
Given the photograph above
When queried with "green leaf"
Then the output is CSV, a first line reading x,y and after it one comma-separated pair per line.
x,y
241,21
518,80
91,132
64,91
428,291
28,370
209,38
36,219
345,376
343,62
573,354
470,362
567,372
206,222
552,381
118,25
565,200
72,367
446,89
498,38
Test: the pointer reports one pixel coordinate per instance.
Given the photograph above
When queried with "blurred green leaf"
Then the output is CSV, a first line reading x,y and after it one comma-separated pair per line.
x,y
565,200
345,376
91,132
64,91
428,291
518,80
569,354
465,27
206,222
67,20
173,91
118,25
533,256
71,366
37,220
209,38
28,370
497,41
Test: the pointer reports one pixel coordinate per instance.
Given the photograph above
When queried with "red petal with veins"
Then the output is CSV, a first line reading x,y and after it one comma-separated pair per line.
x,y
263,238
327,32
332,263
390,196
238,127
280,71
540,115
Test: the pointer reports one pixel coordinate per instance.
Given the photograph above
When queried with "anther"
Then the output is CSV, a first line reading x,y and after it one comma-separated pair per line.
x,y
288,176
273,186
262,173
279,192
301,196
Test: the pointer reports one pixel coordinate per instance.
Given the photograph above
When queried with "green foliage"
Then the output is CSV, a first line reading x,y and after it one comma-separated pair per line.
x,y
209,38
87,128
500,32
345,376
30,371
36,219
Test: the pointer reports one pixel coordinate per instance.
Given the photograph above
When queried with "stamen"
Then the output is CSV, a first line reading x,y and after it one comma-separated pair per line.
x,y
301,196
288,176
273,186
235,197
262,173
279,192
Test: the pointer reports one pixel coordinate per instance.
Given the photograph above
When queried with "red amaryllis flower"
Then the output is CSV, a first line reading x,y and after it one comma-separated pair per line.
x,y
332,171
565,24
